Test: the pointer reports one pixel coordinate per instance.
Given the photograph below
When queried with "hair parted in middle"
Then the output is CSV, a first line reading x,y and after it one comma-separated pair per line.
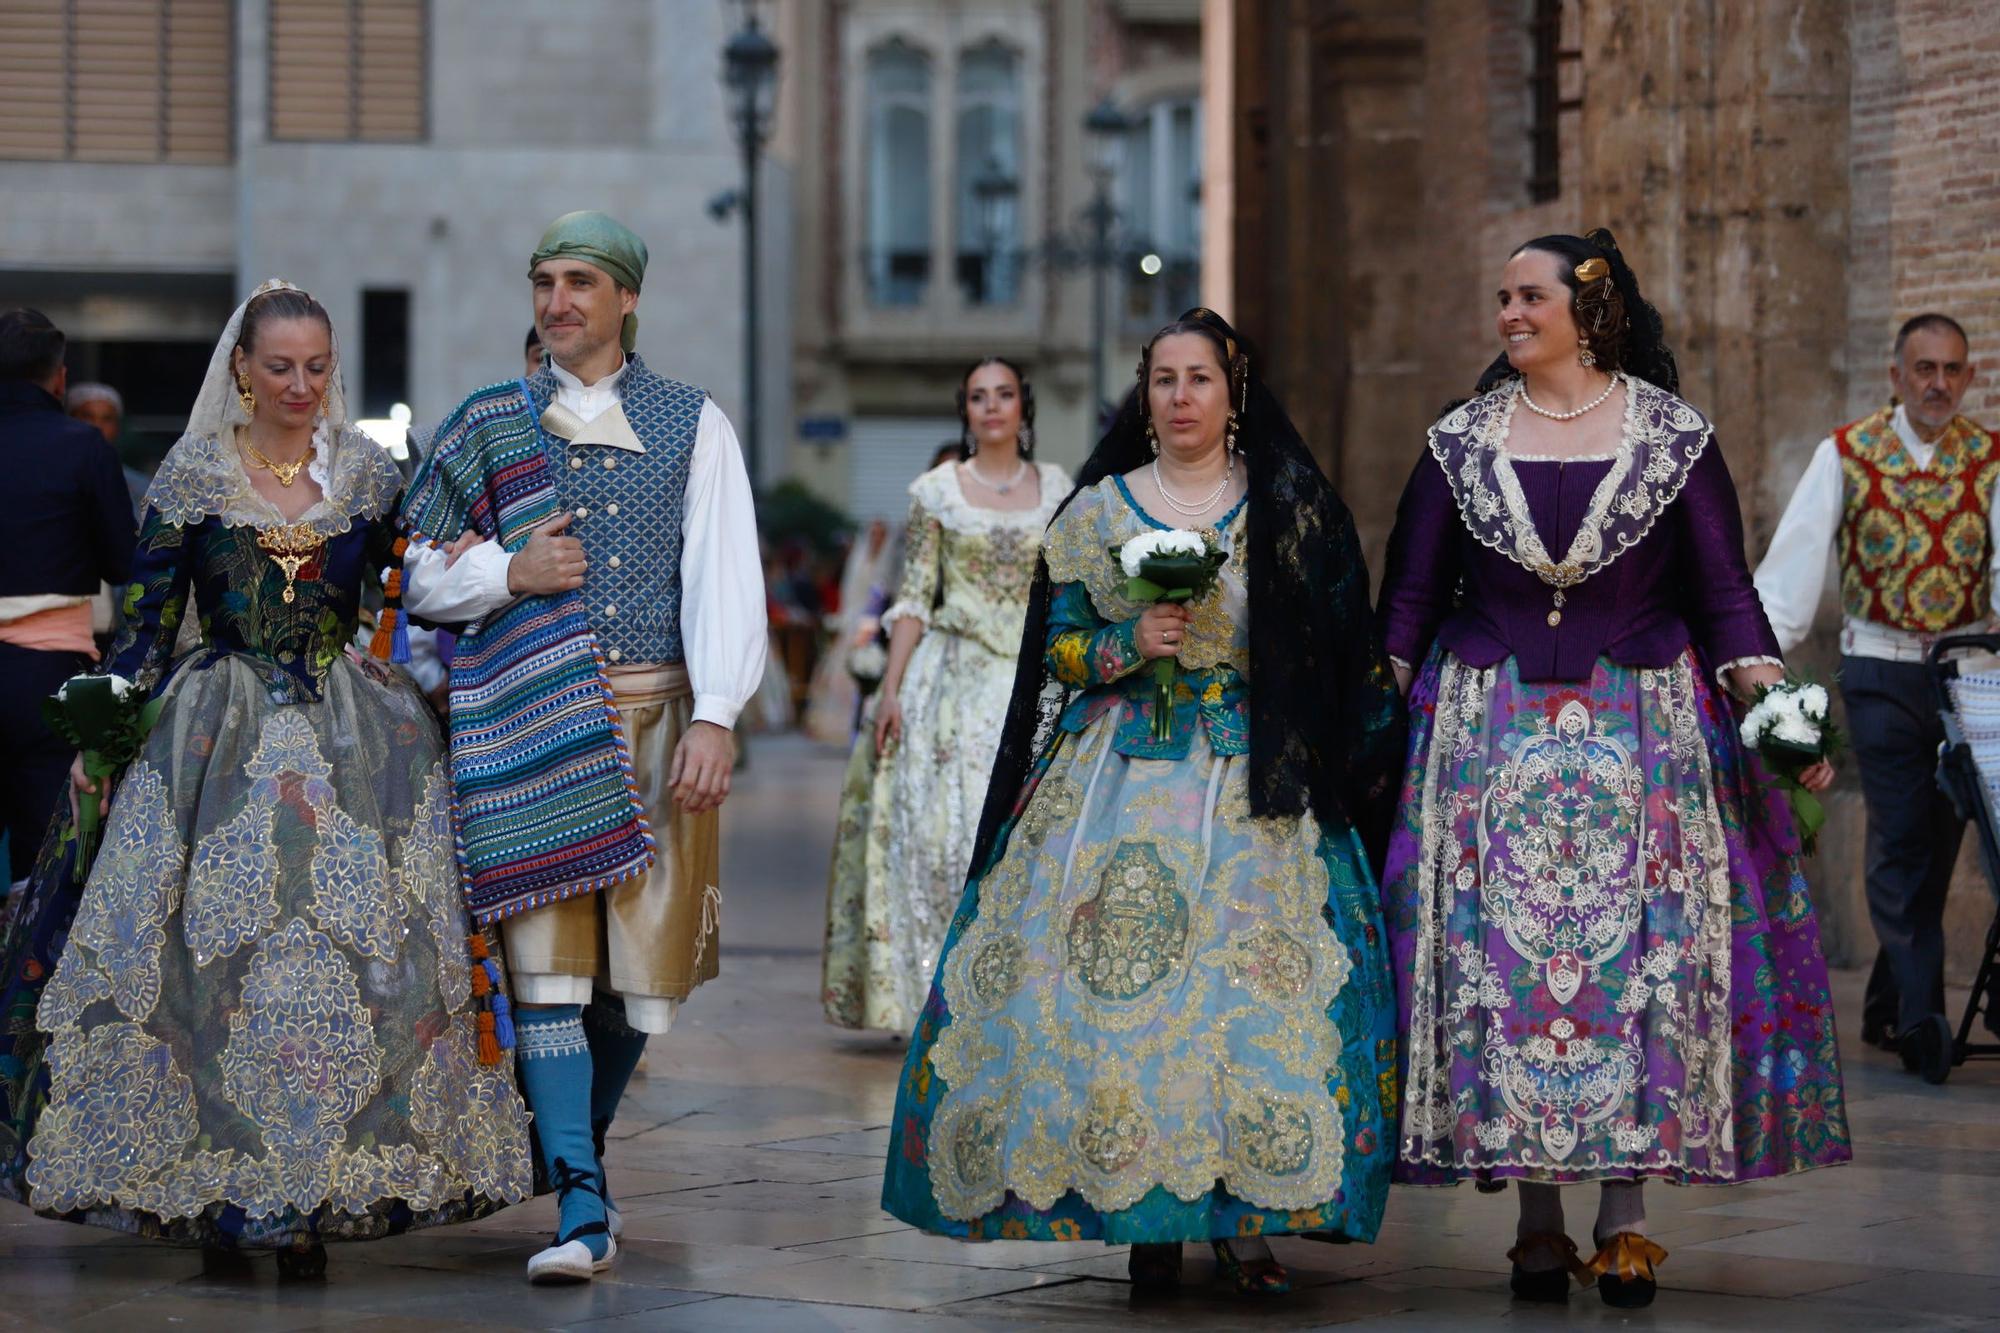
x,y
1026,439
1229,354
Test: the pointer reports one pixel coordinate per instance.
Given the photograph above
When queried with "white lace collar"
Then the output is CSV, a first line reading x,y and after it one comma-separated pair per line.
x,y
1662,438
202,477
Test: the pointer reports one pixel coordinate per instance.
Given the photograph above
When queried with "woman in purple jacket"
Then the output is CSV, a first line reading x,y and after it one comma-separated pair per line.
x,y
1608,966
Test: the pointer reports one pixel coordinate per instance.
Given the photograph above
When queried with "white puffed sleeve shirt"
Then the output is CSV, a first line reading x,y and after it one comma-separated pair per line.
x,y
724,632
1793,573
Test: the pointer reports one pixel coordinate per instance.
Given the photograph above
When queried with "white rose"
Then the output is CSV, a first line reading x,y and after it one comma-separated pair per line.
x,y
1813,699
120,687
1171,541
1795,730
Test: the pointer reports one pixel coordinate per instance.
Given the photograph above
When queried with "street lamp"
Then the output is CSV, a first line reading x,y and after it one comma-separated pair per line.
x,y
750,73
993,190
1105,129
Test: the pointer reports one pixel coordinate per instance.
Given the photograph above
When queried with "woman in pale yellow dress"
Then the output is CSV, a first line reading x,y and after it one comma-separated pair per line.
x,y
899,862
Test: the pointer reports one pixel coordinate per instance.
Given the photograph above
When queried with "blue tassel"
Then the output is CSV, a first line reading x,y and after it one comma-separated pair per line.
x,y
503,1022
492,974
400,649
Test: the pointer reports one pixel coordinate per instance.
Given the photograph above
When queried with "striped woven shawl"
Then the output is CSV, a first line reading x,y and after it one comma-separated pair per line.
x,y
545,799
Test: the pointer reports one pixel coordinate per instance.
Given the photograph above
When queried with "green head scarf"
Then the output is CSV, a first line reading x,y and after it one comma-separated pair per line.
x,y
602,241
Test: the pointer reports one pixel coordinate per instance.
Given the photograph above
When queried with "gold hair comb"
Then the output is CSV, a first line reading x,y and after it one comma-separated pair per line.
x,y
1590,270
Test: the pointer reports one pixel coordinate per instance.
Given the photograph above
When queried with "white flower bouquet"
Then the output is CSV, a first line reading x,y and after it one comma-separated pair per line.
x,y
107,720
1788,726
1169,565
868,662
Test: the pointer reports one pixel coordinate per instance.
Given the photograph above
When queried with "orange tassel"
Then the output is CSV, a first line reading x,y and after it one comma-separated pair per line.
x,y
489,1044
392,587
482,985
383,642
400,548
477,943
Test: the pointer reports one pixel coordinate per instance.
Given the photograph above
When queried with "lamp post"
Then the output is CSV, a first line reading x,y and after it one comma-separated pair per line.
x,y
994,191
1105,129
750,73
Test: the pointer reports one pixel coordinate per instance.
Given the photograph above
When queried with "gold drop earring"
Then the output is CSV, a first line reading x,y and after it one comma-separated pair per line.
x,y
1152,440
244,395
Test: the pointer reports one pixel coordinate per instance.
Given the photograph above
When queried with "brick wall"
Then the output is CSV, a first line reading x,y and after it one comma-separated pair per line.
x,y
1926,183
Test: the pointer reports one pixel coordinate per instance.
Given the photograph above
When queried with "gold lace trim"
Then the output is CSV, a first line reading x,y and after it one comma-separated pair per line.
x,y
1078,550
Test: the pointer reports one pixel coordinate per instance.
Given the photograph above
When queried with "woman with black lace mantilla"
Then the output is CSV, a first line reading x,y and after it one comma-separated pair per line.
x,y
258,1025
1163,1012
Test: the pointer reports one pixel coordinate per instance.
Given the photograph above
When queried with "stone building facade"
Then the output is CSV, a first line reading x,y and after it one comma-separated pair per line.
x,y
397,158
939,173
1789,178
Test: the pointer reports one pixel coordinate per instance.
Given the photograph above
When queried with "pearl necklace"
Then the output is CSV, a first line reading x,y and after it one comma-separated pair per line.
x,y
998,487
1195,510
1536,407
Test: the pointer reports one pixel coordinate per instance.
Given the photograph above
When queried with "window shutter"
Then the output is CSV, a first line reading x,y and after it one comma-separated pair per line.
x,y
116,80
34,94
347,70
391,88
199,81
312,69
115,59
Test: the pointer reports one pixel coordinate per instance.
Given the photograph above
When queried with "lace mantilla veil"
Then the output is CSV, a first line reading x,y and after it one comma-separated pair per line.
x,y
1326,731
202,474
216,407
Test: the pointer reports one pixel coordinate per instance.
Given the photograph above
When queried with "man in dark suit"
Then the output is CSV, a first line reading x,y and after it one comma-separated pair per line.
x,y
72,529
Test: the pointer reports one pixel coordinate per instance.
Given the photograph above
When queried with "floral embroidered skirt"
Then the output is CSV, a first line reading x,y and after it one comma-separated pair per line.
x,y
1157,1018
254,1025
907,824
1606,958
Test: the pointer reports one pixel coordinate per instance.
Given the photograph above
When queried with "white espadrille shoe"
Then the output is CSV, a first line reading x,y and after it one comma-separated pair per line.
x,y
570,1261
614,1221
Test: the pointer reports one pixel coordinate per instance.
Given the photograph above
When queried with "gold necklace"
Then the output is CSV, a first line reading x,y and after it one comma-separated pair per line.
x,y
286,473
289,545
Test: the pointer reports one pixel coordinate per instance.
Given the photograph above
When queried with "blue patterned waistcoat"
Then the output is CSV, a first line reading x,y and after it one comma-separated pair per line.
x,y
628,508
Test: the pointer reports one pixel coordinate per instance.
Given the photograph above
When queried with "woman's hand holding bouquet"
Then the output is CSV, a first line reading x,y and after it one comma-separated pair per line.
x,y
107,720
1167,568
1787,725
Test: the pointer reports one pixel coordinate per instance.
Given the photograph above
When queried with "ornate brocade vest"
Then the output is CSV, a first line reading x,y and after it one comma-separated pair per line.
x,y
628,508
1915,542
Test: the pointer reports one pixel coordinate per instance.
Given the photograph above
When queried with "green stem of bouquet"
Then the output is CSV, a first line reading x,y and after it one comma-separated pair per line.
x,y
1808,814
1164,674
89,822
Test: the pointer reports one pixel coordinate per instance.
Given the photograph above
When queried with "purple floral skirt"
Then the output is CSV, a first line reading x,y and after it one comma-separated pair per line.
x,y
1606,960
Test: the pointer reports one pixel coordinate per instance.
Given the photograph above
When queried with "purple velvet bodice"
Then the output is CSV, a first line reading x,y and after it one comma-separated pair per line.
x,y
1683,581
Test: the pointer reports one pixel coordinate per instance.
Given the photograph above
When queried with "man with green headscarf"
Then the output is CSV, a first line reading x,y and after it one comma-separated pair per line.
x,y
613,630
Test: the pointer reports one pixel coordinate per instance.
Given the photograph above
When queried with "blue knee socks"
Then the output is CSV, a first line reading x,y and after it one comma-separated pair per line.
x,y
615,1048
556,1078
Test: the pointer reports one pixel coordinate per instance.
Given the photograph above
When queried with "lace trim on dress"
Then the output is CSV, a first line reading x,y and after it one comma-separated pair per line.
x,y
203,477
1078,550
1663,437
943,494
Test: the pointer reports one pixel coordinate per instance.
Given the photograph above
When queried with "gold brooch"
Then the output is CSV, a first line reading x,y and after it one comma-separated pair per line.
x,y
290,545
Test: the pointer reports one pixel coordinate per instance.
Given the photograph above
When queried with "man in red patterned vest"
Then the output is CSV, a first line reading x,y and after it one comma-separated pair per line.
x,y
1905,499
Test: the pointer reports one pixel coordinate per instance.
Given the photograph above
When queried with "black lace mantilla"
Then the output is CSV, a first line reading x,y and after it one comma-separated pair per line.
x,y
1326,720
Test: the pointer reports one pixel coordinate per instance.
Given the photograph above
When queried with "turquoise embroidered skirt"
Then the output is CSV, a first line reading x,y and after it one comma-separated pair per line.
x,y
1157,1017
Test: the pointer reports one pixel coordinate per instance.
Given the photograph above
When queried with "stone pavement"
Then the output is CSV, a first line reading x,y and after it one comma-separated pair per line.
x,y
748,1158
